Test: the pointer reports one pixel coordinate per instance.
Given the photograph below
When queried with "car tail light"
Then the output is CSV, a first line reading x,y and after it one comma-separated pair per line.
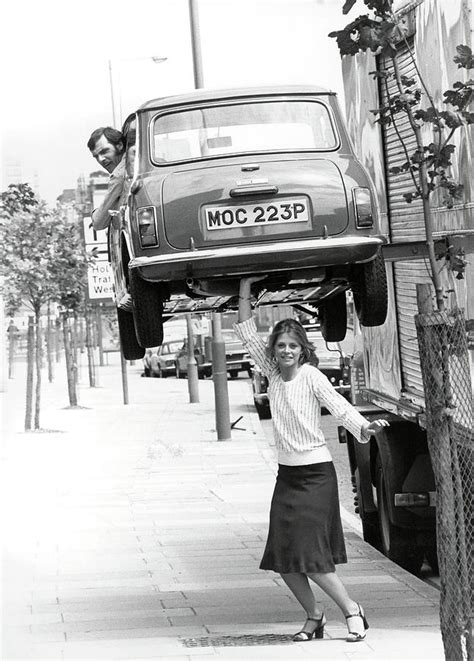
x,y
363,207
146,221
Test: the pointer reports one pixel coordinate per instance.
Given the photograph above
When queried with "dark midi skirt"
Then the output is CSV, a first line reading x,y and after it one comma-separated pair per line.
x,y
305,534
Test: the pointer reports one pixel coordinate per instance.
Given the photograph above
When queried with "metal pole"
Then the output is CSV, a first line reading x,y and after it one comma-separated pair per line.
x,y
219,376
111,78
196,44
193,384
123,363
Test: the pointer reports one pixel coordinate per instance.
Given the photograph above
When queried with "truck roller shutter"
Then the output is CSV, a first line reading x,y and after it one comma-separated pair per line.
x,y
406,224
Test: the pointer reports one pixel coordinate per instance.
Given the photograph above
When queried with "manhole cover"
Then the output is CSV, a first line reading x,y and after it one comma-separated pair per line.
x,y
231,641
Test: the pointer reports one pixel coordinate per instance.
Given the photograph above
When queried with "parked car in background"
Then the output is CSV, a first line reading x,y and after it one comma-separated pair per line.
x,y
239,182
162,359
237,358
332,362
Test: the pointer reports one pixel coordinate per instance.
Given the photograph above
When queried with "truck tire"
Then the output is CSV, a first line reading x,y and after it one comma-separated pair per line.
x,y
396,543
370,521
333,318
264,412
147,310
128,340
369,287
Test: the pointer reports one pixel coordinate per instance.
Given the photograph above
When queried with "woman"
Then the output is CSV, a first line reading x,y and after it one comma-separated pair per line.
x,y
305,539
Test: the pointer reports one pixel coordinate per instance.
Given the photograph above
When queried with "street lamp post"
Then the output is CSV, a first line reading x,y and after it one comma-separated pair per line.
x,y
115,90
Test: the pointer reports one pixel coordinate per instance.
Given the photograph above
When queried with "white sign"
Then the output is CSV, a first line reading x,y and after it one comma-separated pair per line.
x,y
100,280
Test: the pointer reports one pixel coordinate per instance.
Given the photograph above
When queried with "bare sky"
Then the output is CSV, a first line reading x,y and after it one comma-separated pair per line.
x,y
56,54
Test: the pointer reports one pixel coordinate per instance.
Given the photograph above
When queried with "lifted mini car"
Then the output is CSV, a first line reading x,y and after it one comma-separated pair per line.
x,y
229,183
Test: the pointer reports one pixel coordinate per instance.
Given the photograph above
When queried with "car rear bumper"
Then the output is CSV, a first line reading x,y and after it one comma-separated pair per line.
x,y
263,257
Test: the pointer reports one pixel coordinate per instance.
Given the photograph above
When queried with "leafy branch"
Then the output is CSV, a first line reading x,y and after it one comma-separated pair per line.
x,y
429,165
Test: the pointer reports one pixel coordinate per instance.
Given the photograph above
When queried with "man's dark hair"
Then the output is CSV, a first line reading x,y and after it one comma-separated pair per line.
x,y
112,135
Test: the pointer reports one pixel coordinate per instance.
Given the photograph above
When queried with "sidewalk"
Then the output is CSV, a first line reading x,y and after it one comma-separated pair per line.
x,y
130,532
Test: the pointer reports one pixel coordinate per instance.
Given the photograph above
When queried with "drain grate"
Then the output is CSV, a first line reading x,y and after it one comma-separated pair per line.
x,y
234,641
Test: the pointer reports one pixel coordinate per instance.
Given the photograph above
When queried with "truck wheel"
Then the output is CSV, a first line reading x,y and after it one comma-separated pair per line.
x,y
431,554
396,543
264,412
370,521
147,310
333,318
128,340
369,287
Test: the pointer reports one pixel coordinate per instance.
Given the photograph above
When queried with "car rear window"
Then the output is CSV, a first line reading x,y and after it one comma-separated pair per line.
x,y
242,128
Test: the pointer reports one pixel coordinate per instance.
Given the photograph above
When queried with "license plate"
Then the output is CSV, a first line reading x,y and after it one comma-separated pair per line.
x,y
246,215
235,367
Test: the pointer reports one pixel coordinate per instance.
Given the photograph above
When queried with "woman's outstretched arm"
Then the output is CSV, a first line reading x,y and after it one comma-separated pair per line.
x,y
245,294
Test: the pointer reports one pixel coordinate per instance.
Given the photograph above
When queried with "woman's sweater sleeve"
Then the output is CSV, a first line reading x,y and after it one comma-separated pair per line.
x,y
247,331
339,407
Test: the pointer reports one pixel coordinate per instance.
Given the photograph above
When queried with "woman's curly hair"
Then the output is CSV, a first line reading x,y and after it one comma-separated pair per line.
x,y
308,354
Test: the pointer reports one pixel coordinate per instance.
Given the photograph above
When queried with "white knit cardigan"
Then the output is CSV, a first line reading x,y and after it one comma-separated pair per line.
x,y
296,404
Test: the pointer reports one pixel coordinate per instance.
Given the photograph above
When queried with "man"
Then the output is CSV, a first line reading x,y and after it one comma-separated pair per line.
x,y
107,146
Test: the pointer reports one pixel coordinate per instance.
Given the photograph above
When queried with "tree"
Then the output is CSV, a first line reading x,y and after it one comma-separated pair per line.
x,y
429,165
44,261
17,197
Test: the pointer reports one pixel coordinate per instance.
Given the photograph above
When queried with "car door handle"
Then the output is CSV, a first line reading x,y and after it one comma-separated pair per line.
x,y
252,189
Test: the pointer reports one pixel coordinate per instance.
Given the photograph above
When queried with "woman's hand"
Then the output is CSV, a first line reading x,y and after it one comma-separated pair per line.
x,y
375,427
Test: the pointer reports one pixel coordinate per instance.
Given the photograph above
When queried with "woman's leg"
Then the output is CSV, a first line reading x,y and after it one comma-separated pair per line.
x,y
332,585
300,587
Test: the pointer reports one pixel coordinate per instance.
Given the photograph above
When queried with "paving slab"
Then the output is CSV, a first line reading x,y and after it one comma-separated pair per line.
x,y
133,533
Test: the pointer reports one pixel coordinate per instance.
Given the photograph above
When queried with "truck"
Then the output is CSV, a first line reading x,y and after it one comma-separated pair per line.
x,y
392,475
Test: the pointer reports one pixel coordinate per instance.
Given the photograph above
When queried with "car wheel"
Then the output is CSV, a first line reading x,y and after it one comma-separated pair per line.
x,y
333,318
396,543
128,340
233,374
147,310
369,287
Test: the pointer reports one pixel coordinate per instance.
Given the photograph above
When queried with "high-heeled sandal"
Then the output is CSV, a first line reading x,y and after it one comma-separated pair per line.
x,y
355,636
317,632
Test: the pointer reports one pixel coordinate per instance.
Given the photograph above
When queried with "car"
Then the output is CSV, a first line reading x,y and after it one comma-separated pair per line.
x,y
332,362
162,359
238,182
237,358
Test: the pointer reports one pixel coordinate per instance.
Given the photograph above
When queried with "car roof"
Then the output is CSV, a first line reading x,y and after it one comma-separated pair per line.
x,y
209,94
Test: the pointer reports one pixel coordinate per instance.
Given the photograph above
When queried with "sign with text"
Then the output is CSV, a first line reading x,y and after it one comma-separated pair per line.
x,y
100,280
99,275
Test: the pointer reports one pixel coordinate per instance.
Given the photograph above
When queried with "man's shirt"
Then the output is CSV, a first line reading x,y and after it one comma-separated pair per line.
x,y
100,216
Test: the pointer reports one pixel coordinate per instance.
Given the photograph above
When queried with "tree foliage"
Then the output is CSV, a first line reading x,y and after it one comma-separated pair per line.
x,y
429,165
17,198
381,33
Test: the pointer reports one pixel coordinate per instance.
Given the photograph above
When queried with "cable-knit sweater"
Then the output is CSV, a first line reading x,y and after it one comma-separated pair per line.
x,y
296,404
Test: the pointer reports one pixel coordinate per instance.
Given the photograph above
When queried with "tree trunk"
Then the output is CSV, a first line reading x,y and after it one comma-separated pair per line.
x,y
68,354
57,340
49,347
90,348
29,373
38,362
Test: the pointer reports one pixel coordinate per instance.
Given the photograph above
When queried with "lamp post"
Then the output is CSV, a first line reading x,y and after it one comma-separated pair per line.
x,y
115,90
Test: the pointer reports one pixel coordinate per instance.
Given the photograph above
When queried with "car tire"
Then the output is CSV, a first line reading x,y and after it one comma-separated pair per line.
x,y
128,340
333,318
233,374
147,310
369,287
396,543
